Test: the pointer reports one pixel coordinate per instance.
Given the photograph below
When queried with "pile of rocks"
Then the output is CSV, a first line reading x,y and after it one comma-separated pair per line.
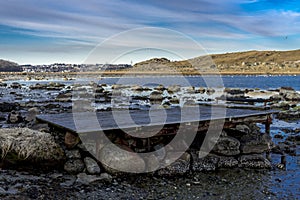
x,y
243,147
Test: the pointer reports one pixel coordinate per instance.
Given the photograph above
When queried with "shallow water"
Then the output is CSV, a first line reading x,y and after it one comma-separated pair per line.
x,y
223,184
238,81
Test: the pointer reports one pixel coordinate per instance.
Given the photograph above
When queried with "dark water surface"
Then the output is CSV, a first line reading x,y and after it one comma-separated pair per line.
x,y
238,81
262,82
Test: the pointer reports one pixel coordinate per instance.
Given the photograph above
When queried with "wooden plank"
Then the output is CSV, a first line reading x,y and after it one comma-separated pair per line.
x,y
108,120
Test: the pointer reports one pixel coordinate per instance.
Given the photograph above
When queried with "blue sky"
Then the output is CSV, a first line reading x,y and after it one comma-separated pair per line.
x,y
48,31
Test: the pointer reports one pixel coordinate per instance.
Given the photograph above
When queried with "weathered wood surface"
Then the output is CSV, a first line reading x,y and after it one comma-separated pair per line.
x,y
108,120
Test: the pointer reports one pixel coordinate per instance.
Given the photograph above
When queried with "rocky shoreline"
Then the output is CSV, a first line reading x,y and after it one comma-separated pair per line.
x,y
240,148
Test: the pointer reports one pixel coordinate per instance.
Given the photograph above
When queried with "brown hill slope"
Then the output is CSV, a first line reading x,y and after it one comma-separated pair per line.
x,y
251,62
257,56
8,66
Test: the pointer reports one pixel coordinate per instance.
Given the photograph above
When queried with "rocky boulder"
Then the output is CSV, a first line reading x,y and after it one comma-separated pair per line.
x,y
64,97
180,167
254,161
117,159
71,140
15,85
29,146
287,115
14,117
173,88
31,114
292,96
227,162
227,146
8,107
156,96
91,165
207,163
255,143
74,166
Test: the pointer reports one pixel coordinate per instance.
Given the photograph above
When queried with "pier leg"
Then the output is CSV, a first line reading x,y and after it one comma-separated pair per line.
x,y
283,160
268,124
148,144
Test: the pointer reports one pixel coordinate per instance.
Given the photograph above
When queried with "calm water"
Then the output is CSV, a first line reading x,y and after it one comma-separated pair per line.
x,y
242,81
262,82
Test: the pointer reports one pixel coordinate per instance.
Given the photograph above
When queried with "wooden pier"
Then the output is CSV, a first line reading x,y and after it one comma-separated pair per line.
x,y
90,122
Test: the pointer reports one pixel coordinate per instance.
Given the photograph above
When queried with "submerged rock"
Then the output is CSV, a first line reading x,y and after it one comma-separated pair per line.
x,y
23,144
15,85
8,107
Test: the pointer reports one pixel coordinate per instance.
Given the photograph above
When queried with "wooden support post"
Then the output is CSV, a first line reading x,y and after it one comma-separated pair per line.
x,y
148,144
283,160
268,124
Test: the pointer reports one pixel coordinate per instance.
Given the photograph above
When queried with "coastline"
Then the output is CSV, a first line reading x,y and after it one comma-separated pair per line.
x,y
141,73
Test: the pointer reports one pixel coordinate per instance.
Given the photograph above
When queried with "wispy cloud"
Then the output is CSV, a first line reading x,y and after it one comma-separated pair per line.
x,y
88,23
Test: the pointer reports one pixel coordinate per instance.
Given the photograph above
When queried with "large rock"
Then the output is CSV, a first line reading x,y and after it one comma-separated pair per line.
x,y
292,96
243,128
91,165
74,166
71,140
26,145
64,97
256,143
8,107
227,146
73,154
31,114
227,162
156,96
14,117
179,167
15,85
207,163
287,115
173,88
117,159
284,90
254,161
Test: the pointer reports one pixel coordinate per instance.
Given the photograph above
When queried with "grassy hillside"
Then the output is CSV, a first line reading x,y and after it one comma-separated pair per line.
x,y
240,62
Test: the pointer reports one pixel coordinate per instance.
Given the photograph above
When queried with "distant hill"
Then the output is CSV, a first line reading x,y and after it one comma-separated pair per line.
x,y
8,66
239,62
